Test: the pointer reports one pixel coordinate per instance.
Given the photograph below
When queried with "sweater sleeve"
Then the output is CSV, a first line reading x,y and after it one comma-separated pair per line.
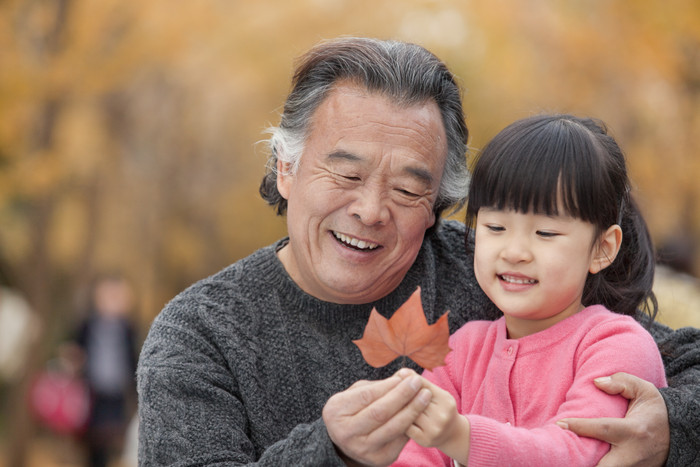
x,y
680,350
191,412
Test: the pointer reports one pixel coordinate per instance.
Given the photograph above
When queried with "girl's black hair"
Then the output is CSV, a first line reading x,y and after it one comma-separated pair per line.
x,y
535,162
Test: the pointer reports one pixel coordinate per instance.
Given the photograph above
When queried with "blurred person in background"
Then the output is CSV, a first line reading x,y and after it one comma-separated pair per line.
x,y
108,344
19,328
256,365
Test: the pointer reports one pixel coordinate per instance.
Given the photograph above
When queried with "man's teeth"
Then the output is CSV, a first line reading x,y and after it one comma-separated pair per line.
x,y
516,280
360,244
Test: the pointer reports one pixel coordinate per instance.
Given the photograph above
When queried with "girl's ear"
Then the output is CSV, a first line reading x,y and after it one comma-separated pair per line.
x,y
284,178
606,249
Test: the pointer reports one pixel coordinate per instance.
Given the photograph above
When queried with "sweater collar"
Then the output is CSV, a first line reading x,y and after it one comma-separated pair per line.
x,y
553,334
292,297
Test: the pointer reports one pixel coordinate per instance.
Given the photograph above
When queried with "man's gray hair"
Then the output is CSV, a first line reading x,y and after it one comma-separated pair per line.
x,y
406,73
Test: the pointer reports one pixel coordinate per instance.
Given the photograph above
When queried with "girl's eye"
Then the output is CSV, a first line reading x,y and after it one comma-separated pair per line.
x,y
495,228
546,234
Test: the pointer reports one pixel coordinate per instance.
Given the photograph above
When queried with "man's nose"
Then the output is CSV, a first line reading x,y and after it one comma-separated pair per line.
x,y
370,205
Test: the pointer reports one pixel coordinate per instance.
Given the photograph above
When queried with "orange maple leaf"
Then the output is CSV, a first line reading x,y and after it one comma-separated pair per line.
x,y
406,333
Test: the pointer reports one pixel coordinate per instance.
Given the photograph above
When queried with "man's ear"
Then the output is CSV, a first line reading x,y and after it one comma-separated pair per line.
x,y
606,249
284,178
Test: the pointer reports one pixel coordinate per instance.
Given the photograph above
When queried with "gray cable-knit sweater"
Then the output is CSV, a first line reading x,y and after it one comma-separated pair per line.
x,y
236,369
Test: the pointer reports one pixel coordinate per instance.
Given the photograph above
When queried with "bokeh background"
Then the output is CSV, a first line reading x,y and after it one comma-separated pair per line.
x,y
130,136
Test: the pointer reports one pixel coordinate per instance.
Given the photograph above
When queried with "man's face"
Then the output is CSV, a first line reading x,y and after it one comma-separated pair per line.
x,y
363,195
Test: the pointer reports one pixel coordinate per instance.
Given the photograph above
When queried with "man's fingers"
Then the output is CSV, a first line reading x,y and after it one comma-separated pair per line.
x,y
395,411
397,426
631,445
363,393
642,437
368,421
417,430
417,434
628,386
610,430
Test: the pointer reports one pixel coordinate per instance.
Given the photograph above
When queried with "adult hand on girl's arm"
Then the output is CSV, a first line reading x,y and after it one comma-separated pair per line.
x,y
641,438
442,426
680,350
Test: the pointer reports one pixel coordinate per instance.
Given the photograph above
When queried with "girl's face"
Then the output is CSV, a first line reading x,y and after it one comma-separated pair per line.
x,y
534,266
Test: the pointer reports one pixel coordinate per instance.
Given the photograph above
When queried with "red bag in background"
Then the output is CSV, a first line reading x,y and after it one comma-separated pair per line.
x,y
60,401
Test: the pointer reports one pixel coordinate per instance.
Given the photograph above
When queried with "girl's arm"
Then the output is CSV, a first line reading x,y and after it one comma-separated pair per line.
x,y
492,442
441,426
637,437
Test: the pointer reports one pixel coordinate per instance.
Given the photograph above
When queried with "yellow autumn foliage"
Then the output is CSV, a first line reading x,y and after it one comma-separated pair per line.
x,y
129,129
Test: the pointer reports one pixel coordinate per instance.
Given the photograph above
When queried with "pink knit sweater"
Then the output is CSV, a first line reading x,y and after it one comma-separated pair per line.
x,y
514,390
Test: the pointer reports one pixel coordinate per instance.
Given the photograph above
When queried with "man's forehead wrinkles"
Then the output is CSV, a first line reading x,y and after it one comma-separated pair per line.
x,y
417,128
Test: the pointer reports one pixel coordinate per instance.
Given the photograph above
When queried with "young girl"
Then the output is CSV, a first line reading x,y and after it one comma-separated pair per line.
x,y
558,243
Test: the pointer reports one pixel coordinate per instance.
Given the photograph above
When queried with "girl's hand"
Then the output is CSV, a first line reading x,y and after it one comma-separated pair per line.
x,y
441,426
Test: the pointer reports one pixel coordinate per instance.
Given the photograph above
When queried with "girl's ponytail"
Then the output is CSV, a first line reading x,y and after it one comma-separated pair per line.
x,y
626,285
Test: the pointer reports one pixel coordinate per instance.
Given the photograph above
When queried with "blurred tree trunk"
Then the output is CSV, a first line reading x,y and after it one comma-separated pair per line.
x,y
35,277
36,282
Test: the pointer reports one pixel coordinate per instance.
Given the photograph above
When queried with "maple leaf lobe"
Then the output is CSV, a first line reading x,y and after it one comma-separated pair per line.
x,y
406,333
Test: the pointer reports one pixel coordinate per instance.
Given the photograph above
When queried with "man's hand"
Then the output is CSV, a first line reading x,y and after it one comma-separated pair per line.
x,y
642,438
367,422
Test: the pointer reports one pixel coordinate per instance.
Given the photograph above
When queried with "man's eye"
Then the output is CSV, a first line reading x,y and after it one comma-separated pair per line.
x,y
408,193
352,178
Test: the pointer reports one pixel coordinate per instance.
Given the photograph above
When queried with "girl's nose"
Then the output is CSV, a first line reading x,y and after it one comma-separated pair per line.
x,y
516,250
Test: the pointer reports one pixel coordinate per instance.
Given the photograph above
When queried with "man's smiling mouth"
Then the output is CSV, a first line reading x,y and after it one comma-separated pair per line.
x,y
354,242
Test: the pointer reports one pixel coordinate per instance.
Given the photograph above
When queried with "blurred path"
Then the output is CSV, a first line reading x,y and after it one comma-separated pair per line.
x,y
679,298
50,451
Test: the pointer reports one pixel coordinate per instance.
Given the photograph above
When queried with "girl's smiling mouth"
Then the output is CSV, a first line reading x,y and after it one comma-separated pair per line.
x,y
520,280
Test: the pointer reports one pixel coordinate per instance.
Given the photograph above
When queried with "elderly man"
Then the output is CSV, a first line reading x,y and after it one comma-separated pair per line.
x,y
256,364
